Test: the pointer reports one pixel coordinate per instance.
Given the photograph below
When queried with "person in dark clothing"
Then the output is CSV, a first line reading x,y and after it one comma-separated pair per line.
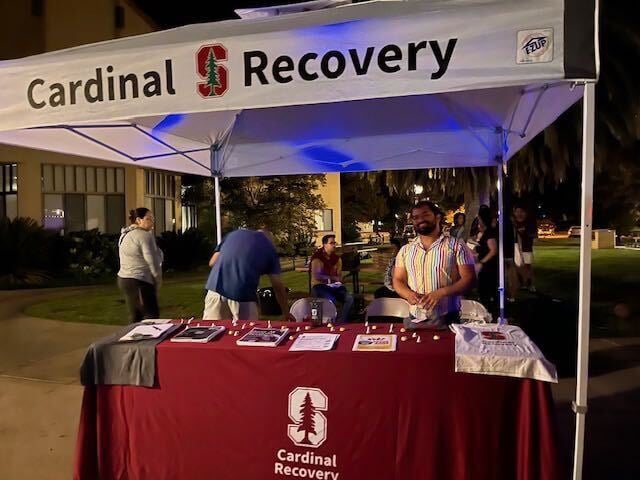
x,y
526,232
487,264
511,274
237,264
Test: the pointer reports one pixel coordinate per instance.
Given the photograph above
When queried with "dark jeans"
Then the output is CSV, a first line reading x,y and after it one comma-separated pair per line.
x,y
141,298
340,294
488,288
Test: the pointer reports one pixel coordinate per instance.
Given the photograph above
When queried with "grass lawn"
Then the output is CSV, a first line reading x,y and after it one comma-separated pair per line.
x,y
178,299
615,301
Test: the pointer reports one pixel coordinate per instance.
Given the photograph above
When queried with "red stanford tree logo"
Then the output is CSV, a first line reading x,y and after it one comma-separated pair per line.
x,y
215,76
307,422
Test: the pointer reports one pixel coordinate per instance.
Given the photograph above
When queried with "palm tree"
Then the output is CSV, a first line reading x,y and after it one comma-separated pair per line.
x,y
551,155
442,185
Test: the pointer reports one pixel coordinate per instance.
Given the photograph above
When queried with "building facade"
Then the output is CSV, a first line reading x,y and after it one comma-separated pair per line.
x,y
68,193
329,220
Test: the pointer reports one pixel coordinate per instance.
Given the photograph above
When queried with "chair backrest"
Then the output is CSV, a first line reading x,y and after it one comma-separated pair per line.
x,y
472,311
301,310
388,307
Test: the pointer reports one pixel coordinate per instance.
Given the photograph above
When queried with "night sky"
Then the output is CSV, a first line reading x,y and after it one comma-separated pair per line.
x,y
185,12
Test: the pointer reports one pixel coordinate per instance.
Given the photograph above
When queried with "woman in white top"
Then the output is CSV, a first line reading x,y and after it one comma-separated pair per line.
x,y
140,273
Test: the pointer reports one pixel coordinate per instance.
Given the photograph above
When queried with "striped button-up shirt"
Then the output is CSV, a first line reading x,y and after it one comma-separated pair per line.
x,y
434,268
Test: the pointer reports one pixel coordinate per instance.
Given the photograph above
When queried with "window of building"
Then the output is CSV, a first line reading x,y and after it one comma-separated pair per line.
x,y
189,211
189,217
8,190
160,198
75,212
83,198
115,206
324,220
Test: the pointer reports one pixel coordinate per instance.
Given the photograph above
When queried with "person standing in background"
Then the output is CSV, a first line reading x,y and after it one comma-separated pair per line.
x,y
459,229
140,274
487,264
526,232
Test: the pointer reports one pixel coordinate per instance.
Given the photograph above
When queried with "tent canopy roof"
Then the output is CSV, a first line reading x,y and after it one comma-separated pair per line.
x,y
370,86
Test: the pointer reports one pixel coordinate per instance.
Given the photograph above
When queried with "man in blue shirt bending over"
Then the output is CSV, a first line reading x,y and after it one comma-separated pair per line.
x,y
237,264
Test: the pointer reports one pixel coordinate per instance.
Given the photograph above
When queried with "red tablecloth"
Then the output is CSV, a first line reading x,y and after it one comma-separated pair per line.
x,y
226,412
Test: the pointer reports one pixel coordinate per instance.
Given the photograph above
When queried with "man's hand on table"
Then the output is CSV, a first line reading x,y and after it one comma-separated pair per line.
x,y
413,298
431,299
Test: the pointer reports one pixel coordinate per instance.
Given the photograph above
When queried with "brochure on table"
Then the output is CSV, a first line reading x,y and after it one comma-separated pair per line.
x,y
318,342
264,337
146,332
199,334
375,343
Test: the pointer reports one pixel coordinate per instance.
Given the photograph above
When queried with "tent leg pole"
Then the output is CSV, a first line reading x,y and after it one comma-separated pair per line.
x,y
214,154
500,183
216,181
584,295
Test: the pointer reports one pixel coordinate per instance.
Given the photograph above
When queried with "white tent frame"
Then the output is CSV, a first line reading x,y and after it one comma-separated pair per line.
x,y
584,292
216,169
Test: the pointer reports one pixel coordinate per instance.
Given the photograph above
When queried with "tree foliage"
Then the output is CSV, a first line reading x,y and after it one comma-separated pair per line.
x,y
286,205
25,253
362,202
617,192
550,158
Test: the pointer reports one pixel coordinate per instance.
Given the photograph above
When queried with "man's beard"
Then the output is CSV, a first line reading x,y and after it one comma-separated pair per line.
x,y
425,228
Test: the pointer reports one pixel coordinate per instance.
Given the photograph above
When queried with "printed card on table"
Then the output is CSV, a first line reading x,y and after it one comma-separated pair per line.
x,y
375,343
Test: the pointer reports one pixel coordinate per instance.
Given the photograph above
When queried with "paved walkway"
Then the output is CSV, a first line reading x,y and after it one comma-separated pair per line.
x,y
40,395
39,391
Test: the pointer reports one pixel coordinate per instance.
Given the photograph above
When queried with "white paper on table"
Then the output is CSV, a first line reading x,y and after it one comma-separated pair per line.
x,y
318,342
157,320
146,332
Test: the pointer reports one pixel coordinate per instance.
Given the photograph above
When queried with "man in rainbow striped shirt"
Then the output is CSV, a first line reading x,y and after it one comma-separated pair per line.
x,y
434,270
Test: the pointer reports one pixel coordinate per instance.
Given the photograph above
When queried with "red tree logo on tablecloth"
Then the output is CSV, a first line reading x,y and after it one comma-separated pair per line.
x,y
309,427
209,68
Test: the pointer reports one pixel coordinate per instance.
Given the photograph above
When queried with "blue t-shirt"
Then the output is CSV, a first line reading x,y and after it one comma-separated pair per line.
x,y
245,255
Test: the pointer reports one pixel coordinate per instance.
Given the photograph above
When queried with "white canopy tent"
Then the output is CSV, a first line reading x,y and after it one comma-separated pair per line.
x,y
370,86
